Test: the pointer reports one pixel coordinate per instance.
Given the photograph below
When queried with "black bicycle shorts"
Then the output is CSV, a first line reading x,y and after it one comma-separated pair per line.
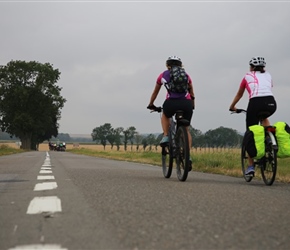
x,y
170,106
265,104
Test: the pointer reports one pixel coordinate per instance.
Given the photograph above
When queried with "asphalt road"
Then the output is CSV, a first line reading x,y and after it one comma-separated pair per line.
x,y
58,200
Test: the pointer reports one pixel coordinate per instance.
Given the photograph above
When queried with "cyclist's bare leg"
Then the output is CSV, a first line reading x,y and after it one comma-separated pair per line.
x,y
165,122
189,137
265,122
251,161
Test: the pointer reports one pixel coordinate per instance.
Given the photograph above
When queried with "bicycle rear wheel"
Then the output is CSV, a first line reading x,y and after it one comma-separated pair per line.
x,y
269,165
244,159
182,153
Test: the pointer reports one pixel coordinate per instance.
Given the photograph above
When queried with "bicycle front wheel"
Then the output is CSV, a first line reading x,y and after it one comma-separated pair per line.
x,y
269,164
244,159
167,161
182,153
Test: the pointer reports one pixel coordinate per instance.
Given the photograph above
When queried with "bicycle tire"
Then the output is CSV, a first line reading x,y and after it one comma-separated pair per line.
x,y
244,160
269,164
167,161
182,153
167,152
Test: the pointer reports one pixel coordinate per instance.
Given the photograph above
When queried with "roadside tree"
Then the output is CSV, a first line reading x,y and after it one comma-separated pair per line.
x,y
30,101
222,137
138,140
132,132
102,134
126,138
118,137
144,143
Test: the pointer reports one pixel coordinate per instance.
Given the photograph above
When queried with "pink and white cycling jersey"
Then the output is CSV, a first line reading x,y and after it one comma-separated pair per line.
x,y
164,77
257,84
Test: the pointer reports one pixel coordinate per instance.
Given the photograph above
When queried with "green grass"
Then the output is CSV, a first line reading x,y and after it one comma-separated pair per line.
x,y
225,163
6,150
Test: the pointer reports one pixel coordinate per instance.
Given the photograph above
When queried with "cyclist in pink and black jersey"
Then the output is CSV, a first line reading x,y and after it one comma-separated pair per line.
x,y
174,101
164,78
258,83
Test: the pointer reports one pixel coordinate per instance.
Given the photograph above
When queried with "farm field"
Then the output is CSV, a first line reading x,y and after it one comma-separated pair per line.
x,y
70,146
44,147
224,161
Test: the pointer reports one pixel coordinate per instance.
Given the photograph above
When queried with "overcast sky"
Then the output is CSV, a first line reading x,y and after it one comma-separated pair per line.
x,y
110,54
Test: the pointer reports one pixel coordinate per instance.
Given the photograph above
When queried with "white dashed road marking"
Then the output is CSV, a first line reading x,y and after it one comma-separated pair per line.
x,y
46,168
40,205
45,204
45,186
45,177
45,172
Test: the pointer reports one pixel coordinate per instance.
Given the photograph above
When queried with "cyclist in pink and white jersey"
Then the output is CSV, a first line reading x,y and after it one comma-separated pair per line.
x,y
174,101
258,83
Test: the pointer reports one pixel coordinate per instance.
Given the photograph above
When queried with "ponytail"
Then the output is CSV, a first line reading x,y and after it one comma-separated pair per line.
x,y
258,68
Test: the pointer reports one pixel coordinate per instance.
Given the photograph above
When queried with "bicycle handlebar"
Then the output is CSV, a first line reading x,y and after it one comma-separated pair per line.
x,y
238,111
153,108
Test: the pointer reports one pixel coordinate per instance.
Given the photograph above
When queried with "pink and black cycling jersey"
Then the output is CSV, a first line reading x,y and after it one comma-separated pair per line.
x,y
257,84
164,78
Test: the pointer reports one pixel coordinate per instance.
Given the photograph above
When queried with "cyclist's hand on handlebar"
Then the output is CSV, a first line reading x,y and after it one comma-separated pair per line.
x,y
232,109
151,106
154,108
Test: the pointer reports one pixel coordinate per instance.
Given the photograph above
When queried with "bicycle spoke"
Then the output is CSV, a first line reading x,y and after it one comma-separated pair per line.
x,y
167,159
182,154
269,167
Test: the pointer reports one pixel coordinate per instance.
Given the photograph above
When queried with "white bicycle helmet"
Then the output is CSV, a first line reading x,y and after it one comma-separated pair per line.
x,y
174,58
258,61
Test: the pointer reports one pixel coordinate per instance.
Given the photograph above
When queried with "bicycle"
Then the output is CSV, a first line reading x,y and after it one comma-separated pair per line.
x,y
268,163
177,148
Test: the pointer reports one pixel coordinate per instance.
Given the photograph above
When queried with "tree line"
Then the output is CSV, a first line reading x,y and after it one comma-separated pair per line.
x,y
107,135
117,137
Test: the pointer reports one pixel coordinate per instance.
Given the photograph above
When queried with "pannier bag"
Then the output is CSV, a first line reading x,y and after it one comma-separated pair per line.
x,y
254,141
283,139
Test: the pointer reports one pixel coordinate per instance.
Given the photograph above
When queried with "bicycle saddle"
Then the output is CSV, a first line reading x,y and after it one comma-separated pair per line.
x,y
179,118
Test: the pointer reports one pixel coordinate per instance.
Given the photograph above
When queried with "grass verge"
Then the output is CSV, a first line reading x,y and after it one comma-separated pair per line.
x,y
225,163
6,150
